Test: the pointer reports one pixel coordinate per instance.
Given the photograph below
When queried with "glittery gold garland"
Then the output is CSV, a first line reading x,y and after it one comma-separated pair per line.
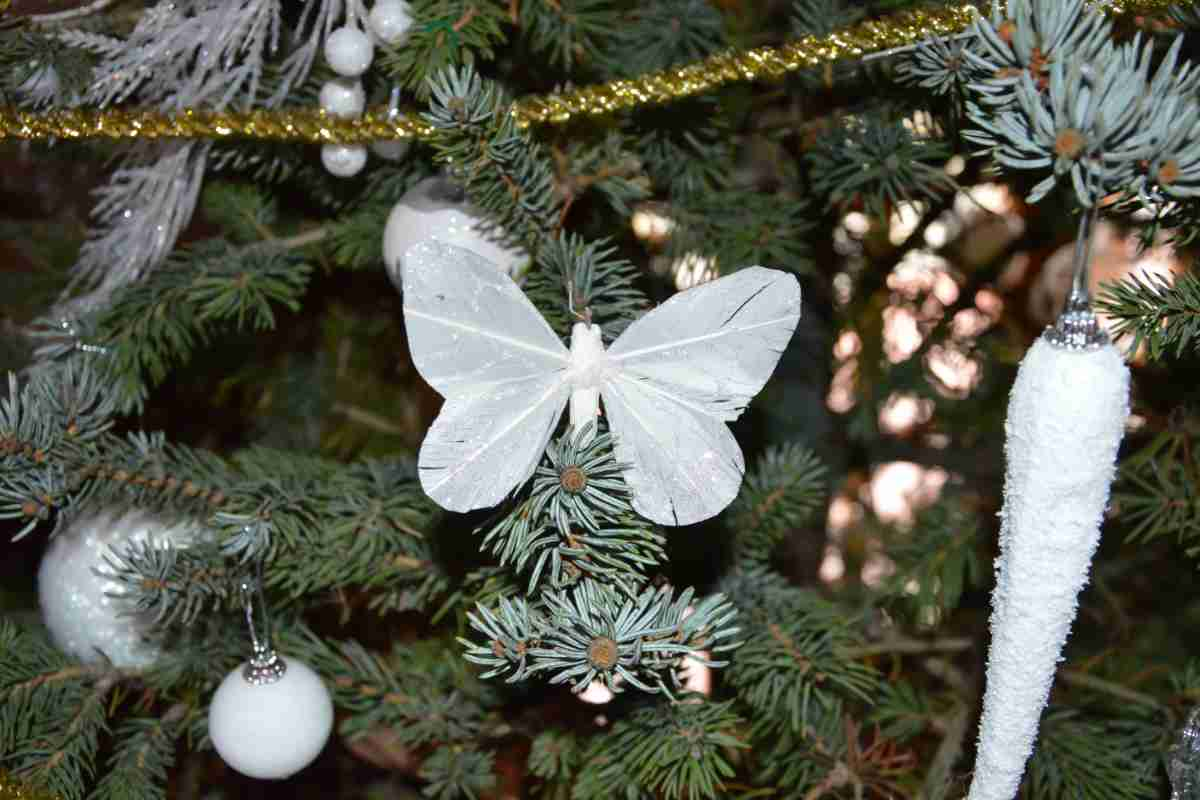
x,y
315,126
12,789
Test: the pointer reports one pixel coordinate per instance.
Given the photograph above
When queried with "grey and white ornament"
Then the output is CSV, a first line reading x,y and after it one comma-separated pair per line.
x,y
436,209
271,730
344,160
343,97
80,599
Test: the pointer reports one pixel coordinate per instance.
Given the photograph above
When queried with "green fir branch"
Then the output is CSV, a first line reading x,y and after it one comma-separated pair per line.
x,y
445,34
1091,758
1161,313
781,493
139,766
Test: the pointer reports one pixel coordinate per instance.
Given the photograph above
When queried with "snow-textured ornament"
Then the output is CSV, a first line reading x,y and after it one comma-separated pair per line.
x,y
343,97
1183,766
80,599
670,382
271,716
349,51
344,160
436,209
1066,417
390,20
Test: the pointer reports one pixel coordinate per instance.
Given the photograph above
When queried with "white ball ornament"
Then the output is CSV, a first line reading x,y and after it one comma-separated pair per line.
x,y
391,149
271,730
437,209
80,599
343,97
344,160
349,51
390,20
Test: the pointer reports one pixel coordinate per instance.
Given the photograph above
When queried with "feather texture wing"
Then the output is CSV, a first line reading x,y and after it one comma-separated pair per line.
x,y
483,446
477,340
714,346
685,465
469,325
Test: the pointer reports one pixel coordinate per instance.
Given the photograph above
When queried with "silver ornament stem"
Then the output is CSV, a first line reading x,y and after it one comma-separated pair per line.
x,y
1077,327
264,666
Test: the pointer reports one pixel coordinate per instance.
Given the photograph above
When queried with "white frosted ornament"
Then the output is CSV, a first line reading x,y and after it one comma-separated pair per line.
x,y
344,160
1066,417
391,149
390,20
80,600
343,97
436,209
349,51
271,730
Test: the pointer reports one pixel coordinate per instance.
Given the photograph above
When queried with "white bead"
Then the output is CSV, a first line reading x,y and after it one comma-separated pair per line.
x,y
349,51
79,598
343,160
343,97
436,209
271,730
390,20
391,149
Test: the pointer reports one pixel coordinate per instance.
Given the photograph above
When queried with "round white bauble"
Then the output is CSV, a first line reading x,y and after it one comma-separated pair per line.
x,y
391,149
349,51
344,160
76,590
436,208
343,97
390,20
271,730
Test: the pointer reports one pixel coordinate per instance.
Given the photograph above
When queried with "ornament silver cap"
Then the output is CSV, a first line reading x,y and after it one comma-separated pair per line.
x,y
1077,327
265,666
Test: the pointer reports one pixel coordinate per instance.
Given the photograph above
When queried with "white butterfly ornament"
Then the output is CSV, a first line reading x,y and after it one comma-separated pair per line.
x,y
669,382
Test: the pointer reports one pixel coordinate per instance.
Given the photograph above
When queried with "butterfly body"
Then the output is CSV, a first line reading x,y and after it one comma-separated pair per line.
x,y
669,383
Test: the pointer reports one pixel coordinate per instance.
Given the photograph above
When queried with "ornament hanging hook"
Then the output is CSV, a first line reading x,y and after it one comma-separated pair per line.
x,y
1077,327
264,666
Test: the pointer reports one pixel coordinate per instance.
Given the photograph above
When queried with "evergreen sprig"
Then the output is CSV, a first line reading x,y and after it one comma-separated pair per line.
x,y
782,492
1162,314
501,168
445,34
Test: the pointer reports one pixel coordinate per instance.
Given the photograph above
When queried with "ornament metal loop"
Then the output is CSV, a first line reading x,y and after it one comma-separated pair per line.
x,y
264,666
1077,327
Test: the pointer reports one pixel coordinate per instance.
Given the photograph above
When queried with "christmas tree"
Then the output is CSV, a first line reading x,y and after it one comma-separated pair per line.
x,y
591,398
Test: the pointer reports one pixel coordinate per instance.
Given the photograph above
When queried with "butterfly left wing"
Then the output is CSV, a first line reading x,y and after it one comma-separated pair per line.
x,y
481,344
677,374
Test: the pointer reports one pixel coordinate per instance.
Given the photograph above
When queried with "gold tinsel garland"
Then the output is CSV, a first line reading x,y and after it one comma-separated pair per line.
x,y
317,127
13,789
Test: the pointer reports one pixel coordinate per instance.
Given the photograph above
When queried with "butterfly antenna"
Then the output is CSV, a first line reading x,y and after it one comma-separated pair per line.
x,y
586,314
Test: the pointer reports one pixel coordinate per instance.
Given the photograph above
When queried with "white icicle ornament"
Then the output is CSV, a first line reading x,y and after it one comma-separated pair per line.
x,y
1066,417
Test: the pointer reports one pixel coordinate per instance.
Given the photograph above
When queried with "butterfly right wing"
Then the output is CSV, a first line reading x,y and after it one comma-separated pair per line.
x,y
481,344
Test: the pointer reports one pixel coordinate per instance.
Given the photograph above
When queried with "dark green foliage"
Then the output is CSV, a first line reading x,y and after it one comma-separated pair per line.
x,y
1156,491
570,33
741,228
665,33
783,491
577,278
792,662
501,168
679,750
52,714
138,768
1094,758
875,162
822,17
936,562
457,771
1162,314
445,33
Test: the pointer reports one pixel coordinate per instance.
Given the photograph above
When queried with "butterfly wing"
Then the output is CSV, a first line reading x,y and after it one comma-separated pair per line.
x,y
677,374
481,344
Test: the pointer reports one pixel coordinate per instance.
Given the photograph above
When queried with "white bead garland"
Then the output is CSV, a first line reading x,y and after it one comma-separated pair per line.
x,y
390,20
344,160
349,51
343,97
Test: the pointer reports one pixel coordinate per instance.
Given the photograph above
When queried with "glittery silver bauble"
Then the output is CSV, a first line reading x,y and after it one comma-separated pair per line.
x,y
436,208
76,588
